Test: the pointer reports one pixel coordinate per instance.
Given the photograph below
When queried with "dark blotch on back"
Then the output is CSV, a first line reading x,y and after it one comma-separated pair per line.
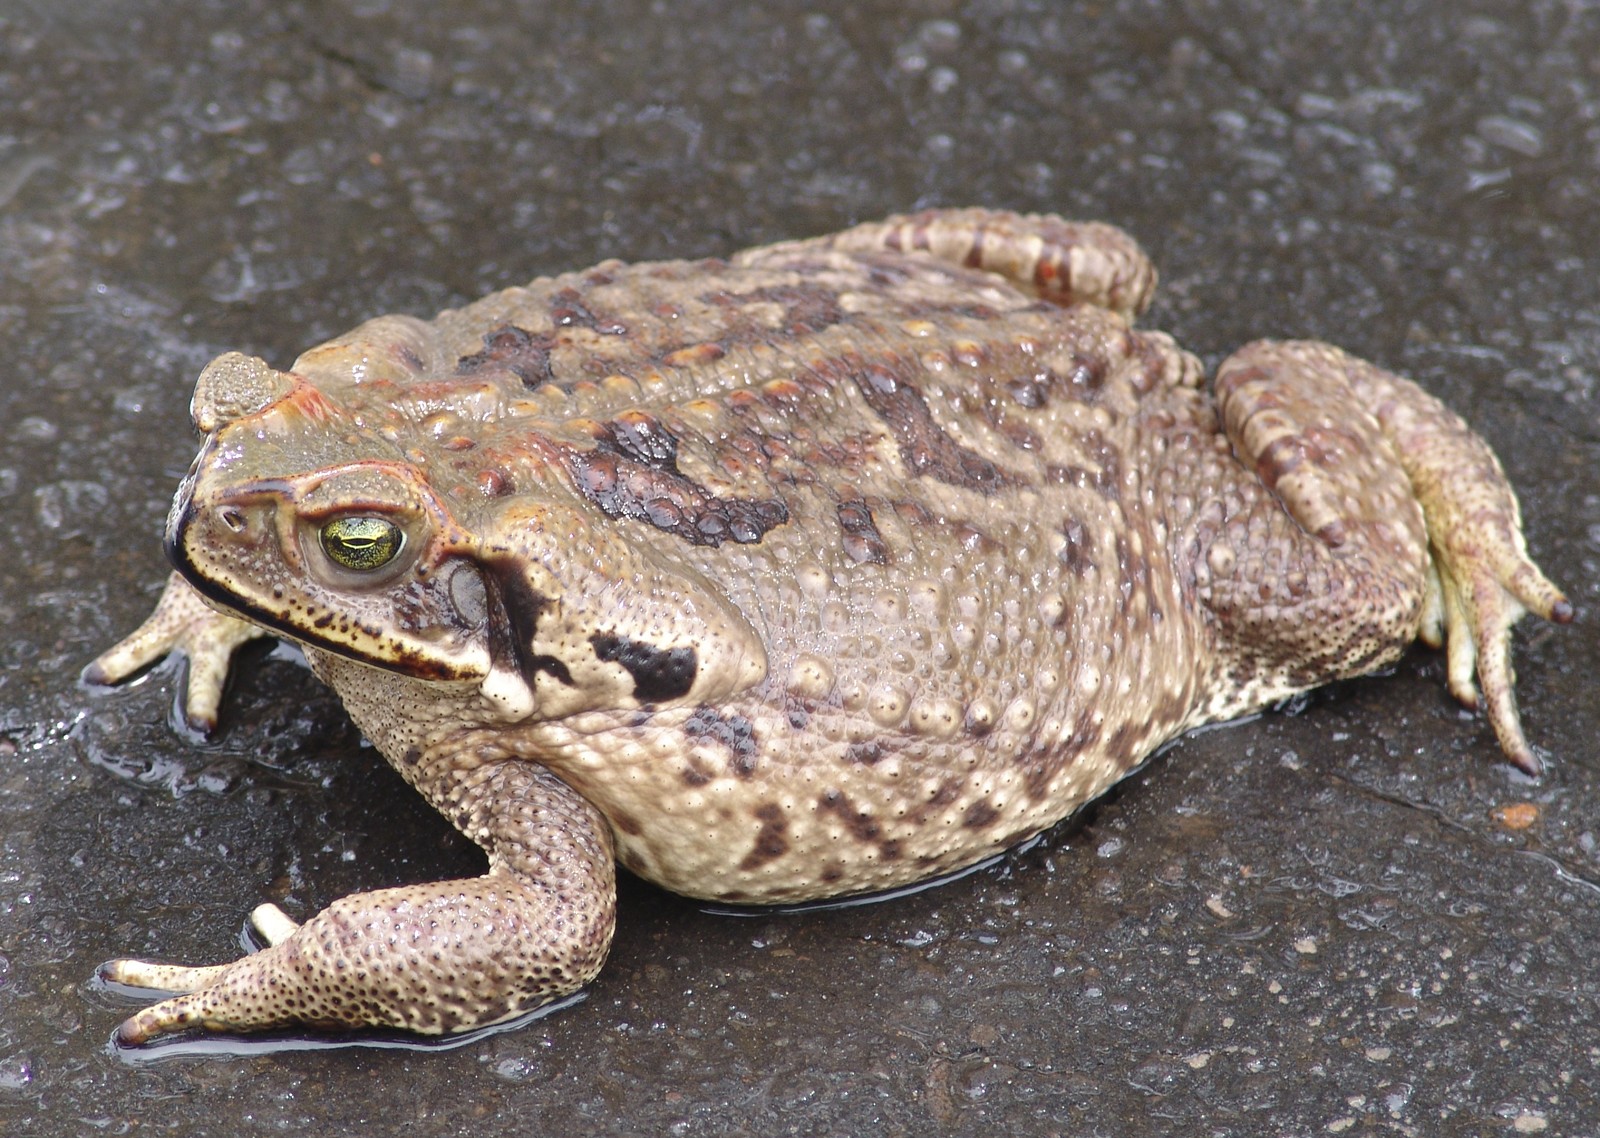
x,y
658,674
632,472
1076,554
924,446
567,310
1088,373
862,541
524,354
1109,479
807,309
1106,481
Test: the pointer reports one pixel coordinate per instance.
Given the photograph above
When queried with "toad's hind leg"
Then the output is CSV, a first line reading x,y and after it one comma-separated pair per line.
x,y
441,957
1065,262
1406,526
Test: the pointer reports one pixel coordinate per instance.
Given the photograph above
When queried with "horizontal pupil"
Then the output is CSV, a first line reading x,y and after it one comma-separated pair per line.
x,y
361,543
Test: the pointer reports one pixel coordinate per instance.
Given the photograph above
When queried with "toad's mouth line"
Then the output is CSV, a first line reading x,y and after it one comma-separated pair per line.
x,y
402,661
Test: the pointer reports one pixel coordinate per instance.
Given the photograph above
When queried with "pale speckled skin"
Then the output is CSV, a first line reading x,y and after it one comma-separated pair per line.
x,y
830,568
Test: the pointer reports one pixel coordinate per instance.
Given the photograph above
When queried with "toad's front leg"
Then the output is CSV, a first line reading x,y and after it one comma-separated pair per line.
x,y
436,958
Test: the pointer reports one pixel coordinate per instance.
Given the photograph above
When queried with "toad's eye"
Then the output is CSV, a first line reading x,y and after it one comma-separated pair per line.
x,y
362,543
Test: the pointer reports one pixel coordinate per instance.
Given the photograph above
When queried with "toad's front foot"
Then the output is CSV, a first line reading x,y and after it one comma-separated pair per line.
x,y
182,622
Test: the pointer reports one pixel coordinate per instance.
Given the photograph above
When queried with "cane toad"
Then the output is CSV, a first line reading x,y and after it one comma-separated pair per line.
x,y
830,567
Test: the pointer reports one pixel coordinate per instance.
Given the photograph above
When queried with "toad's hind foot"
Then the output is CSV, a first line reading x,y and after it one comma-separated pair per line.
x,y
1292,408
1480,583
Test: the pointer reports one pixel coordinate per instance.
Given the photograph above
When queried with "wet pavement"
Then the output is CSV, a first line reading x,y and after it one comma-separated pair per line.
x,y
1346,918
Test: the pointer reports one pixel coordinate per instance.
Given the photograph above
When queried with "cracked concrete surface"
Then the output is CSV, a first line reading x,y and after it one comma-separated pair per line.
x,y
1350,919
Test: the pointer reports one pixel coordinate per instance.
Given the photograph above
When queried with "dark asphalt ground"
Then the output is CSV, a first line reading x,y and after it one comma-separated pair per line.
x,y
1348,919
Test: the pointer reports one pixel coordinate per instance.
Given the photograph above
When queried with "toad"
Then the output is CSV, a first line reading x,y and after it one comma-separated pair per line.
x,y
838,565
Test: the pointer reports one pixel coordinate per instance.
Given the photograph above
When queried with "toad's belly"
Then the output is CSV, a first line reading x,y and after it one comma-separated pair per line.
x,y
743,806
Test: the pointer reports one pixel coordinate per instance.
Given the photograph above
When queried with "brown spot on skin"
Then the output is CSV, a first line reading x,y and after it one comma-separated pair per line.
x,y
1229,380
658,674
1085,731
913,512
887,273
973,539
863,827
896,238
632,472
694,772
734,732
1016,837
1151,360
493,483
1043,767
943,795
1109,478
525,355
865,754
980,815
694,355
626,822
1028,393
1020,435
924,446
772,839
568,310
513,621
1085,735
808,309
974,257
1120,744
1088,374
1076,555
862,541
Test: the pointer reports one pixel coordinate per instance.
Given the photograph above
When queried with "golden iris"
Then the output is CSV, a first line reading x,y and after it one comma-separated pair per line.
x,y
362,543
